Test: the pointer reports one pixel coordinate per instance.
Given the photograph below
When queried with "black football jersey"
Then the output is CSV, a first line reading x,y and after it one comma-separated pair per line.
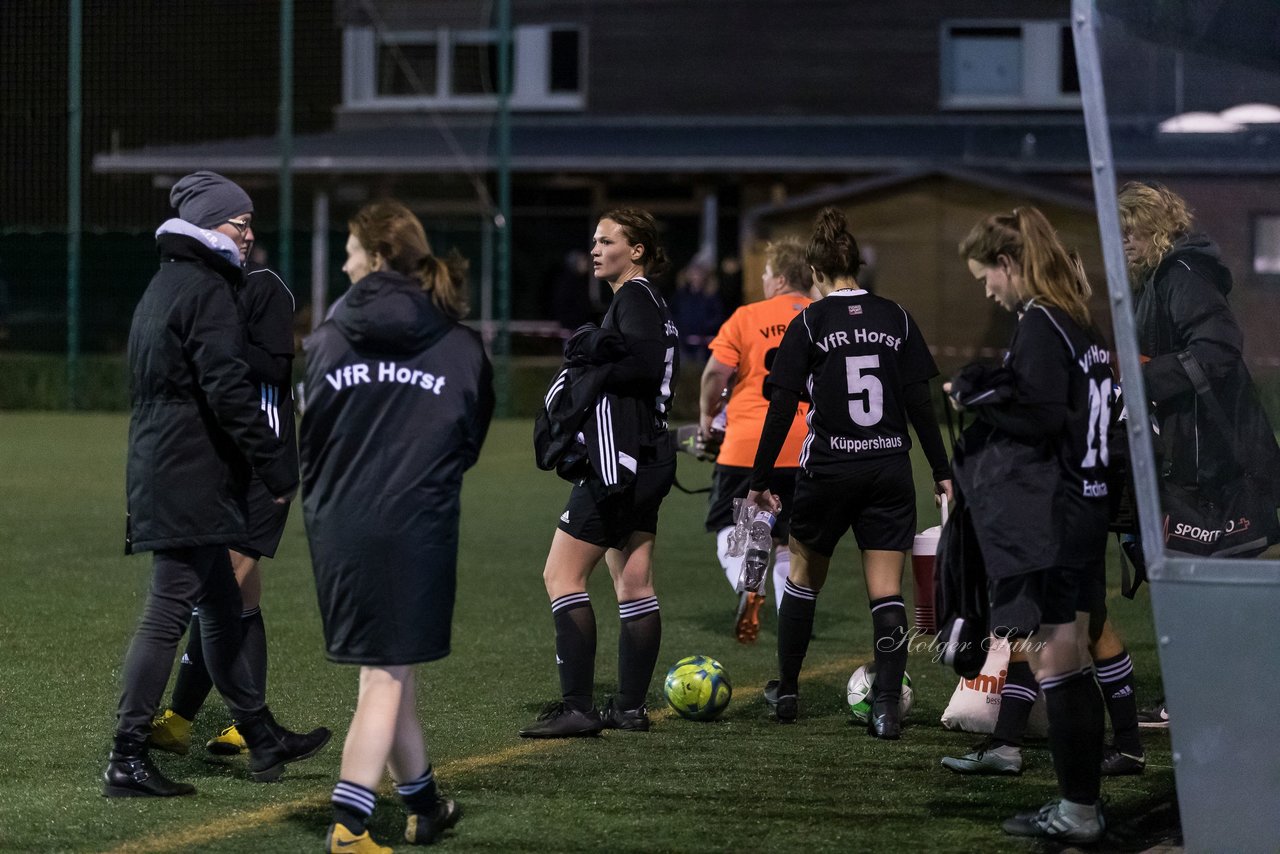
x,y
640,314
850,354
1053,360
266,305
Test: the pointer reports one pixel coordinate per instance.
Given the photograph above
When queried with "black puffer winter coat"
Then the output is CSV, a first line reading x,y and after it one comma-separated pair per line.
x,y
196,426
1183,307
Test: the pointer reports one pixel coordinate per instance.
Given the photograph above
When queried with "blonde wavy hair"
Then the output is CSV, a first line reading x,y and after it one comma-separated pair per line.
x,y
1050,273
1153,211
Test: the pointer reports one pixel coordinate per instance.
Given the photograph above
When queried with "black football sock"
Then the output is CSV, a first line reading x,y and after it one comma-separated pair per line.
x,y
575,648
1075,734
420,795
254,645
1017,696
639,637
795,628
352,805
193,683
889,621
1115,675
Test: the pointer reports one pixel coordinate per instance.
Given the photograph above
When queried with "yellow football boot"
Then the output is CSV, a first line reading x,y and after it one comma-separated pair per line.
x,y
342,840
170,731
227,743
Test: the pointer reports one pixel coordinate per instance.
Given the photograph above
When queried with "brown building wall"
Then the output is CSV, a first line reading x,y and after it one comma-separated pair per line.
x,y
914,230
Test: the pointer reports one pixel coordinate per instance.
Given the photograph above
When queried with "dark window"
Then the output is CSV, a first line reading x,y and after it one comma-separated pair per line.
x,y
565,61
987,32
475,69
1069,78
420,76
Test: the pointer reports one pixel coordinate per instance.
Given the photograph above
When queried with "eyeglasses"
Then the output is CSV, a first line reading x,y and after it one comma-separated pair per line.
x,y
242,225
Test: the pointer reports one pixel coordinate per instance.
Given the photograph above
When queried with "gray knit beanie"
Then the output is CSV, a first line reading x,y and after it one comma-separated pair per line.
x,y
207,199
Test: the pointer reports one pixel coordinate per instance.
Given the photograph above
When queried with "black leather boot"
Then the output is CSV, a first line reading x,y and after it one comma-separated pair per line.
x,y
884,721
130,774
271,746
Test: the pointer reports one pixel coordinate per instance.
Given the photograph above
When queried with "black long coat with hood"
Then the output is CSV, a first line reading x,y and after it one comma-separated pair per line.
x,y
1182,306
196,426
398,401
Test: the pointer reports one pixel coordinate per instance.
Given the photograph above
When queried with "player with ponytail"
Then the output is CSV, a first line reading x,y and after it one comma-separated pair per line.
x,y
864,366
399,397
1045,457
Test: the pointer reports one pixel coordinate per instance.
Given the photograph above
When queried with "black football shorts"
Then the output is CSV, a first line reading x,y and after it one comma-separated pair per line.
x,y
1022,603
265,521
877,501
609,521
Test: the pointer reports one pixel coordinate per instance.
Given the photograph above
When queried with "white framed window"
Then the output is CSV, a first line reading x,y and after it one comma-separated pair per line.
x,y
458,69
1266,244
1008,64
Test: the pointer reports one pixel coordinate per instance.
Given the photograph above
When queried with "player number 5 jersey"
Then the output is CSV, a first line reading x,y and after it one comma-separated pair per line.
x,y
851,354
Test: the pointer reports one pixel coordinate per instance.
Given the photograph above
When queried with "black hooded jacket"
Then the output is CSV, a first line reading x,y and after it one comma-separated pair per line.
x,y
195,427
1182,306
398,402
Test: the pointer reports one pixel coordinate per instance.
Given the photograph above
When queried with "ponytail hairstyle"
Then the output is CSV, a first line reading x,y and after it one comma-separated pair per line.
x,y
1049,273
1153,211
787,258
390,230
832,250
641,229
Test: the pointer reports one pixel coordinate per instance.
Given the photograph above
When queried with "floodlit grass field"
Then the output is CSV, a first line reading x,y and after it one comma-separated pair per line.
x,y
70,600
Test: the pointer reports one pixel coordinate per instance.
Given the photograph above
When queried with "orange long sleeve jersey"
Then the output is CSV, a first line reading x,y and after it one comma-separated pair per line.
x,y
748,341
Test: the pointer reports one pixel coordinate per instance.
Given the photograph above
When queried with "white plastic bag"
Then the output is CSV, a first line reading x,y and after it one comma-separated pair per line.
x,y
975,704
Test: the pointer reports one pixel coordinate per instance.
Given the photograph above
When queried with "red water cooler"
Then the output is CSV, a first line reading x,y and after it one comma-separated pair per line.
x,y
924,553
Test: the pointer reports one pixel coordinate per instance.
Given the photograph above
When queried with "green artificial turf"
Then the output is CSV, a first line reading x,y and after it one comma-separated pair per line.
x,y
71,598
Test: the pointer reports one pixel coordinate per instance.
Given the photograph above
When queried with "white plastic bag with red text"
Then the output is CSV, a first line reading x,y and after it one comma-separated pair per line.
x,y
975,704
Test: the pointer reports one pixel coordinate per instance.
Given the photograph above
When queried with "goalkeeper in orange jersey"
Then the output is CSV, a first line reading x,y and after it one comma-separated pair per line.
x,y
741,354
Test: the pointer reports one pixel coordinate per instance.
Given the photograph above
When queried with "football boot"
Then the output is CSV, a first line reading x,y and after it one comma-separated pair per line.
x,y
747,623
785,707
339,840
985,759
229,742
559,721
1059,821
425,828
1117,764
634,720
170,732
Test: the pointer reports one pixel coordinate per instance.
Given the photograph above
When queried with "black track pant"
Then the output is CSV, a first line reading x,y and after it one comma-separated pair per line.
x,y
180,580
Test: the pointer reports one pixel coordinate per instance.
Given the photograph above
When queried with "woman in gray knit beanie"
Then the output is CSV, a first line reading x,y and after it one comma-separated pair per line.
x,y
207,199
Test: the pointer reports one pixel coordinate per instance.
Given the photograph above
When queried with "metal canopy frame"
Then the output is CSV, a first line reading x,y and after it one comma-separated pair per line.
x,y
1213,616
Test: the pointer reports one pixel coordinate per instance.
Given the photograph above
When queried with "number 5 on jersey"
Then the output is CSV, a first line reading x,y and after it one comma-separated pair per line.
x,y
866,394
